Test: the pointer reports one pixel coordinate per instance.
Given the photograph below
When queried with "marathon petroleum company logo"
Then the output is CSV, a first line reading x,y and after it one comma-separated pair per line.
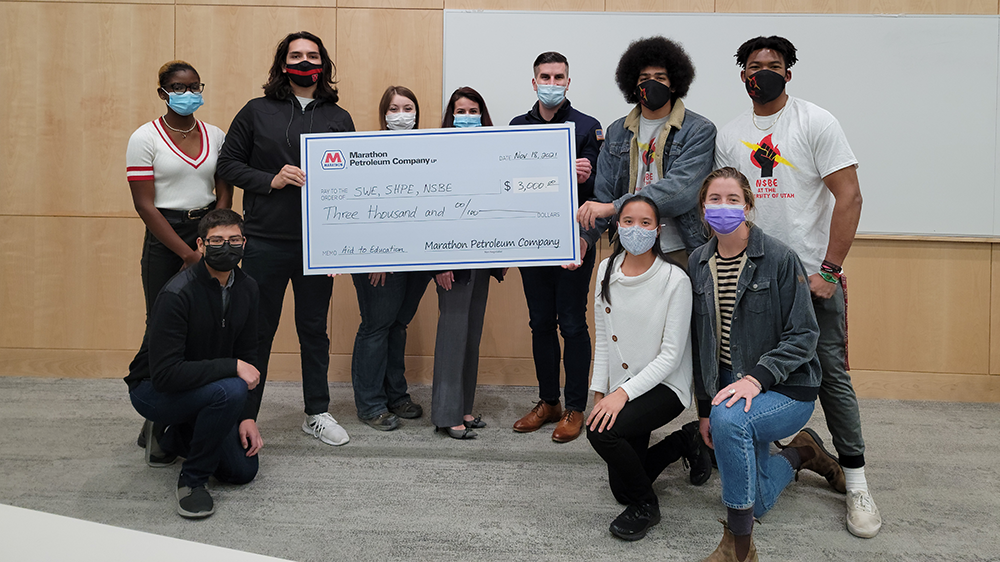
x,y
334,160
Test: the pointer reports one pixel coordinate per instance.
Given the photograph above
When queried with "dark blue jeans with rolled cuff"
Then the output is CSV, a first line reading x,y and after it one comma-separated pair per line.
x,y
558,297
377,365
202,428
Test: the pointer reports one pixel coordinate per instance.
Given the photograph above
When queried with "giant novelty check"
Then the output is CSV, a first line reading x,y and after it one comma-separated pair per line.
x,y
439,199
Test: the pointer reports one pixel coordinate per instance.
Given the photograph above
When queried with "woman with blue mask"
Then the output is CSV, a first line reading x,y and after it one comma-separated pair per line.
x,y
756,370
170,166
387,303
642,360
462,306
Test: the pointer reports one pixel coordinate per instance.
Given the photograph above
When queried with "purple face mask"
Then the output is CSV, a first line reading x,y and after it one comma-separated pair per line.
x,y
724,219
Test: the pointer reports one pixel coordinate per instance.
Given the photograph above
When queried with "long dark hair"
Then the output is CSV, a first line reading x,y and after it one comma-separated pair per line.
x,y
657,250
277,86
468,93
391,92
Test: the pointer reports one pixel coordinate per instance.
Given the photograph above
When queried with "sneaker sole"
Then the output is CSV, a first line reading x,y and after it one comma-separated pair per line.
x,y
862,534
636,536
192,514
308,431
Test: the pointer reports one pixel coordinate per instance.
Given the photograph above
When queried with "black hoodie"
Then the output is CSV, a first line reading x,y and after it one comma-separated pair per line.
x,y
263,138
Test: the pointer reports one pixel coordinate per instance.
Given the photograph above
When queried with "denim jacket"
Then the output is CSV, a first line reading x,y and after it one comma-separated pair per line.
x,y
691,158
773,333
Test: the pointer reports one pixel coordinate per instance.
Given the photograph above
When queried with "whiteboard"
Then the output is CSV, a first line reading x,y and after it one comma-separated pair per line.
x,y
916,95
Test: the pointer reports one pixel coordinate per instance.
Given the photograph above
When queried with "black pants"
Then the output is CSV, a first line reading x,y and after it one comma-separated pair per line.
x,y
159,263
558,297
273,263
624,446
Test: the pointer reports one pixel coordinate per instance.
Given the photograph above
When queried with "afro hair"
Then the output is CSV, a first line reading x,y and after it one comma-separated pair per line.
x,y
777,44
658,52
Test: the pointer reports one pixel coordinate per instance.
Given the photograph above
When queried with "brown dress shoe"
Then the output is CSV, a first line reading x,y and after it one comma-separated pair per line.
x,y
540,415
726,551
822,463
569,427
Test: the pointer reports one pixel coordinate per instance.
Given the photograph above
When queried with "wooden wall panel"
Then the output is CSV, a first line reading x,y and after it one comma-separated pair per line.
x,y
919,306
859,6
380,48
995,311
233,48
76,80
660,6
535,5
265,3
71,283
426,4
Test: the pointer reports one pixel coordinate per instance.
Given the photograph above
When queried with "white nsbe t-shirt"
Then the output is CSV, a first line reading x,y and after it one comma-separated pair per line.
x,y
649,129
786,164
181,182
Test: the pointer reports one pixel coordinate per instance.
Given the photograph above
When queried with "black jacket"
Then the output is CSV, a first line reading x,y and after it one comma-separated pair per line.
x,y
191,343
589,137
263,138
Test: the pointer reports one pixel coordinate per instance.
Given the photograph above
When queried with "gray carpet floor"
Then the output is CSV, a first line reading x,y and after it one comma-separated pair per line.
x,y
68,447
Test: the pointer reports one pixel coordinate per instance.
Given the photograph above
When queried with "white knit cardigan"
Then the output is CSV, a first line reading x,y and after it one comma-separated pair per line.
x,y
644,333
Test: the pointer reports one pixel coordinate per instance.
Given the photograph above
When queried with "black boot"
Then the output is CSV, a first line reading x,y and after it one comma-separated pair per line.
x,y
697,454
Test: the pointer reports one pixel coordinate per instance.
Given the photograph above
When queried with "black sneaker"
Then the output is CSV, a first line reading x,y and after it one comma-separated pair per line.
x,y
386,421
633,523
194,503
407,410
141,440
156,457
698,456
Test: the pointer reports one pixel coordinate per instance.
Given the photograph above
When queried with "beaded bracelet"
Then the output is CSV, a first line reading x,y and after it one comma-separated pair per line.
x,y
755,383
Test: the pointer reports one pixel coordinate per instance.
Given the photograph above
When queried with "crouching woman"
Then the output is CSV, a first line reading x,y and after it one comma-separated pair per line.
x,y
756,372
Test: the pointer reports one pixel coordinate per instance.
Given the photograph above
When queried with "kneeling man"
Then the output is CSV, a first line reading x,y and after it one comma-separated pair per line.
x,y
195,378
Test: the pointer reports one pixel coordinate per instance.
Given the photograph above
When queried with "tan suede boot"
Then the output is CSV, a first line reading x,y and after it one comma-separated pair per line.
x,y
726,551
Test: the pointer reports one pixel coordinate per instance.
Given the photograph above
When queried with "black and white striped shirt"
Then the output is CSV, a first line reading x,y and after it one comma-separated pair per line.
x,y
729,273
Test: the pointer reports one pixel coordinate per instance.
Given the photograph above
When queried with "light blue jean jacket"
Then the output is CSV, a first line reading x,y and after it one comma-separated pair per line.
x,y
692,155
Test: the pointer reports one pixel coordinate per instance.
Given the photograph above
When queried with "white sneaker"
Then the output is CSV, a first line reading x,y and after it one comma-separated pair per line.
x,y
863,519
325,428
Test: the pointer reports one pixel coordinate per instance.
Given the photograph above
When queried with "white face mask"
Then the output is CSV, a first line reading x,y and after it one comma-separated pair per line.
x,y
400,121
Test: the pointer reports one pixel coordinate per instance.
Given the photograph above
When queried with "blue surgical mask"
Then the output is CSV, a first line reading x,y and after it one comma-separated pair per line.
x,y
184,104
724,219
635,239
551,95
468,120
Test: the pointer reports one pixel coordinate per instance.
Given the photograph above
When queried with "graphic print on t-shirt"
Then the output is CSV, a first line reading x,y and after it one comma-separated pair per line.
x,y
647,153
765,155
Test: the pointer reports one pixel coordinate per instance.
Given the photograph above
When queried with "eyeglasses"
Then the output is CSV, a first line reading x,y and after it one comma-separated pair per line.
x,y
179,88
218,241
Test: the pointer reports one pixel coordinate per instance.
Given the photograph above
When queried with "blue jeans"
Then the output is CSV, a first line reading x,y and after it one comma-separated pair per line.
x,y
558,296
751,475
377,365
202,428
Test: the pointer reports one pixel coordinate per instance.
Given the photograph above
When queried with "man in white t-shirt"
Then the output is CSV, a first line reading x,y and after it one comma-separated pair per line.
x,y
805,182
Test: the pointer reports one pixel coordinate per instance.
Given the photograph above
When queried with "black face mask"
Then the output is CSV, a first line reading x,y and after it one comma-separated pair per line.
x,y
305,73
224,257
765,86
653,94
